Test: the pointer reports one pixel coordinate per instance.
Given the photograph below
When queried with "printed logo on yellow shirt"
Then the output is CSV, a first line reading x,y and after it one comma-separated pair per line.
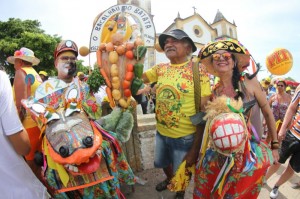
x,y
168,107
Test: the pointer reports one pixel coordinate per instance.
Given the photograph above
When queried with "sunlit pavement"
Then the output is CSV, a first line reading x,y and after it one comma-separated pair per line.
x,y
153,176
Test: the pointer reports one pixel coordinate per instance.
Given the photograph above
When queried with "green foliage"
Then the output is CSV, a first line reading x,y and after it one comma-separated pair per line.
x,y
95,80
16,34
81,67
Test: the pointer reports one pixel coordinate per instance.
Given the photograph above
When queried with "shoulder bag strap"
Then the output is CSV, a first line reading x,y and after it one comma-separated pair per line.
x,y
197,87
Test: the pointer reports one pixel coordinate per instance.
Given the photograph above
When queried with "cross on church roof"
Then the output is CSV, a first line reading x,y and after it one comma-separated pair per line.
x,y
194,9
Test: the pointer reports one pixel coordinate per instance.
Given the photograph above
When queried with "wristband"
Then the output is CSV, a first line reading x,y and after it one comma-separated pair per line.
x,y
274,145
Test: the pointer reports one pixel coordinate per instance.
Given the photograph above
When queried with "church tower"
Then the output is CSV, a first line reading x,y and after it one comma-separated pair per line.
x,y
224,28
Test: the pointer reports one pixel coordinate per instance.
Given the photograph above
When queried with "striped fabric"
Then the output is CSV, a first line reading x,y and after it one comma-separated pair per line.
x,y
295,128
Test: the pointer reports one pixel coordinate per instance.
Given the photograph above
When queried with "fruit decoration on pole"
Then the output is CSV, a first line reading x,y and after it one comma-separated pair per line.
x,y
120,37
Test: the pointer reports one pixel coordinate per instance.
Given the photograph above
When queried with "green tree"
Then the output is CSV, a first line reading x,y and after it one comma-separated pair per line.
x,y
82,68
16,33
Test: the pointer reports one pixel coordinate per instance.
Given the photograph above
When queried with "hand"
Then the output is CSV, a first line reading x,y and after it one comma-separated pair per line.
x,y
147,89
281,134
275,155
190,158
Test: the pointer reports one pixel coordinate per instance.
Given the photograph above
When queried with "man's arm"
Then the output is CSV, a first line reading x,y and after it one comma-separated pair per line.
x,y
145,78
20,142
11,124
192,155
20,89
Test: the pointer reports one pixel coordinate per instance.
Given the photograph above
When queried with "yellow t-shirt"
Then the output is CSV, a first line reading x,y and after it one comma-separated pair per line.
x,y
175,101
28,122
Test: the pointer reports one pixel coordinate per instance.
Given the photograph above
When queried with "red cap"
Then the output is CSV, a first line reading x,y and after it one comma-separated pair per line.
x,y
66,45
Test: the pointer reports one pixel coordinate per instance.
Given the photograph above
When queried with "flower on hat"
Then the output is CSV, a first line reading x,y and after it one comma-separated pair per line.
x,y
18,53
25,54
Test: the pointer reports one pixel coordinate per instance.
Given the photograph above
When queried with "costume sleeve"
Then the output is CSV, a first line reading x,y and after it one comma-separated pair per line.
x,y
152,73
9,118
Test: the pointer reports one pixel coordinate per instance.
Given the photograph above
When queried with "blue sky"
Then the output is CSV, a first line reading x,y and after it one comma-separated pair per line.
x,y
261,25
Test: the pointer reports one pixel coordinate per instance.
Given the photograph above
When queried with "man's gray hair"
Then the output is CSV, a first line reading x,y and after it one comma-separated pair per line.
x,y
188,45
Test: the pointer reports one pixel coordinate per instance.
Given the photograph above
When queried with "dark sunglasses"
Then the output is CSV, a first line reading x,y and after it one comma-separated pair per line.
x,y
280,85
226,56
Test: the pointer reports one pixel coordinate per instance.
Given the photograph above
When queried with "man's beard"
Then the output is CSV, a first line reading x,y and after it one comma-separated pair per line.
x,y
73,69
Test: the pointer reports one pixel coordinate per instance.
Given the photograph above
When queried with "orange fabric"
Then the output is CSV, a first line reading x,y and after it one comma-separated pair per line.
x,y
85,185
35,141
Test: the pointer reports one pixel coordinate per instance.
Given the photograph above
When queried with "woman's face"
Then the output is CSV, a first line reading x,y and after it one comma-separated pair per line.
x,y
222,61
280,86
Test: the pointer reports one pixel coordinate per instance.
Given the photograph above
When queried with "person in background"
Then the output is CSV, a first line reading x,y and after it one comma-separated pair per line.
x,y
289,134
140,97
81,76
152,92
229,168
17,180
26,81
279,103
288,90
177,139
265,87
44,75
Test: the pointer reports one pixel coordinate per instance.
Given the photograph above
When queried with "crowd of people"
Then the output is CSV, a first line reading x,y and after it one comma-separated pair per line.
x,y
236,133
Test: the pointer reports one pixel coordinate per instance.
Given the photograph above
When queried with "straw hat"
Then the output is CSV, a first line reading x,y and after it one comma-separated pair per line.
x,y
25,54
233,46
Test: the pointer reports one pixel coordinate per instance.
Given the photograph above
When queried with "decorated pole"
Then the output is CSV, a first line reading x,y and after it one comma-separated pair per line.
x,y
120,37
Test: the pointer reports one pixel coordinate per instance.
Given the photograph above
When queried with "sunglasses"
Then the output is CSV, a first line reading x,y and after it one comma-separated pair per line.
x,y
280,85
226,56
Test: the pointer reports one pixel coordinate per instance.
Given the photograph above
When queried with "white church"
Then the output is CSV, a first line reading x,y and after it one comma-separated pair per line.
x,y
195,26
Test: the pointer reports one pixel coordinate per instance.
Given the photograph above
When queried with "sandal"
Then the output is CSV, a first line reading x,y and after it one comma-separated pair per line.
x,y
180,195
162,185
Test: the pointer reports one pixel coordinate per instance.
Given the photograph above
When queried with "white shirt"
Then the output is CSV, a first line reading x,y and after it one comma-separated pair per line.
x,y
16,178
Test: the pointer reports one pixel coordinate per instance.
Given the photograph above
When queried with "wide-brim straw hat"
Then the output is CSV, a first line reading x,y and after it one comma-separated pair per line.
x,y
233,46
25,54
177,34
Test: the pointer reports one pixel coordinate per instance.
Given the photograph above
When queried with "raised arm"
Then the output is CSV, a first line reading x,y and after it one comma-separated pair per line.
x,y
291,111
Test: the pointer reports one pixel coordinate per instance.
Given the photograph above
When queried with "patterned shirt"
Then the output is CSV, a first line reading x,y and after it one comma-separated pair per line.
x,y
175,101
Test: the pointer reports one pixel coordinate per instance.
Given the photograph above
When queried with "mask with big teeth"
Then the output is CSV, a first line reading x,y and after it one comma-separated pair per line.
x,y
71,139
74,143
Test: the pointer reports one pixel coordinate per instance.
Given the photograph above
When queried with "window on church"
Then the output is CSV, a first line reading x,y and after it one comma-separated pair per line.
x,y
230,33
198,31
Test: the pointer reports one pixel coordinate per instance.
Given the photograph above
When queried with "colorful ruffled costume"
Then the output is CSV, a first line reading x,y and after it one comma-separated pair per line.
x,y
80,159
233,160
233,163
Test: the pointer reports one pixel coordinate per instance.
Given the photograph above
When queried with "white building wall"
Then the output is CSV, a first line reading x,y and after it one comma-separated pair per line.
x,y
188,28
219,29
228,27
